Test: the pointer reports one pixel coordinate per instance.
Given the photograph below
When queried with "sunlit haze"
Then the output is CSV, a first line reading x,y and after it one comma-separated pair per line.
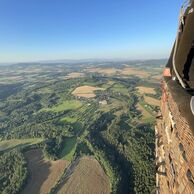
x,y
81,29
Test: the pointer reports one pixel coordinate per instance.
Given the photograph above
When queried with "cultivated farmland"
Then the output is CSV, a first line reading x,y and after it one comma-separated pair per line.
x,y
107,71
86,176
81,127
43,173
86,91
135,72
147,90
145,114
74,75
152,101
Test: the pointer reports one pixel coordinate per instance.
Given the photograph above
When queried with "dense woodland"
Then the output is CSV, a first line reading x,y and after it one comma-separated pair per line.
x,y
13,172
122,143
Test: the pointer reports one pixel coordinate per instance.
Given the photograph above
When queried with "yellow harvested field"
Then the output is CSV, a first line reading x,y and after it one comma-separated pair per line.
x,y
74,75
86,177
29,70
135,72
152,101
43,173
86,91
110,83
147,90
124,72
157,77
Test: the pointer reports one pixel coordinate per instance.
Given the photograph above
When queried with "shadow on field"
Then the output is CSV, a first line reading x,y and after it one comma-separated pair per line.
x,y
38,171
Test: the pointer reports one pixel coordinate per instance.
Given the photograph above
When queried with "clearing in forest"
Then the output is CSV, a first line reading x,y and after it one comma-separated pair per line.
x,y
120,89
86,91
66,105
43,173
152,101
13,143
69,148
68,120
86,176
145,114
147,90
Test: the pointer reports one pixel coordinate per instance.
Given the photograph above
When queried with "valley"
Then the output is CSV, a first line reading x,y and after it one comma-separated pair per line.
x,y
88,126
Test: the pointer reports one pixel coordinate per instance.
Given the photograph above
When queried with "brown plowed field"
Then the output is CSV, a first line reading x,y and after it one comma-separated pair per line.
x,y
43,173
85,177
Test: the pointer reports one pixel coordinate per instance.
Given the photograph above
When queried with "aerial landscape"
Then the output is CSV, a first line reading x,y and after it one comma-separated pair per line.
x,y
96,97
86,127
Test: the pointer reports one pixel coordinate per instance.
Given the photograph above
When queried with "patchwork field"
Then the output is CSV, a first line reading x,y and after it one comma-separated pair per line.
x,y
124,72
101,110
43,173
86,177
86,91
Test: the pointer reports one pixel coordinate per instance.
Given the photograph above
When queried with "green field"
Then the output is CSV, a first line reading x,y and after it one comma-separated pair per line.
x,y
13,143
68,120
69,148
120,89
44,90
66,105
1,113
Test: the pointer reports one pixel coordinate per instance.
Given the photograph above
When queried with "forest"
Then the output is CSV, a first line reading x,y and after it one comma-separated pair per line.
x,y
13,172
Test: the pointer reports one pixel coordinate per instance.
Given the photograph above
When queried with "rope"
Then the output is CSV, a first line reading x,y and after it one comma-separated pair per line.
x,y
186,4
174,56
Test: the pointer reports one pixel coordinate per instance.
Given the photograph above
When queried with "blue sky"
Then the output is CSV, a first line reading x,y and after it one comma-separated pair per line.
x,y
32,30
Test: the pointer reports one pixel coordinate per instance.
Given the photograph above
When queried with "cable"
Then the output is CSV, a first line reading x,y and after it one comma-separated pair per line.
x,y
186,4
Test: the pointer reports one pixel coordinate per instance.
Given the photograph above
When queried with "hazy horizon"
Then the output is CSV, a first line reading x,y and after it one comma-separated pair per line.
x,y
47,30
83,60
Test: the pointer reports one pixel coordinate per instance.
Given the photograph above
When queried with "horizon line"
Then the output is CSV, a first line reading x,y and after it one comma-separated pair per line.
x,y
82,60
